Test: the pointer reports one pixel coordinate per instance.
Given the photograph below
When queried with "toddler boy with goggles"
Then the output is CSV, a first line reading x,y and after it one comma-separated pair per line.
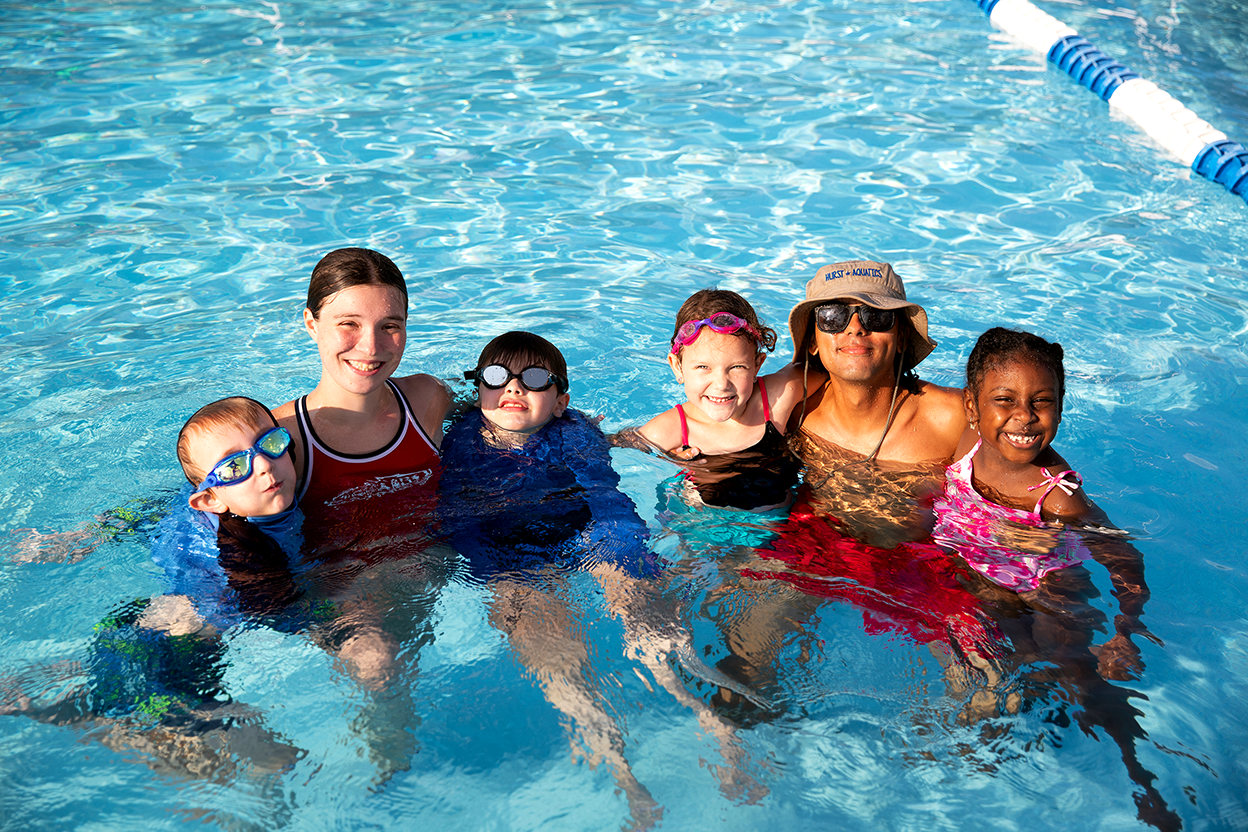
x,y
220,564
527,495
546,467
253,474
233,555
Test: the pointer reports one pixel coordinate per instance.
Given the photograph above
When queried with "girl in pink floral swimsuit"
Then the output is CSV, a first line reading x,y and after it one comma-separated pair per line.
x,y
1008,487
1008,479
1002,497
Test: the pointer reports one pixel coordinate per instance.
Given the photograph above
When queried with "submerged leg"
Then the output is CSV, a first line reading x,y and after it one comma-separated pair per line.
x,y
540,627
1057,623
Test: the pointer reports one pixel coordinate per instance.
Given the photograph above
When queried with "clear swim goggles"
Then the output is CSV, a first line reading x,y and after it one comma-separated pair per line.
x,y
536,379
236,467
834,317
725,323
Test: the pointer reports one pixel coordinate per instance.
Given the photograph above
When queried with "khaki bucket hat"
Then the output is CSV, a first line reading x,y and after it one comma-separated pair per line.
x,y
865,281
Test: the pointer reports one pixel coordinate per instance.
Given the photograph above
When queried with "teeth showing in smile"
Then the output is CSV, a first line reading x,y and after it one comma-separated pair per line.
x,y
1022,438
721,399
364,366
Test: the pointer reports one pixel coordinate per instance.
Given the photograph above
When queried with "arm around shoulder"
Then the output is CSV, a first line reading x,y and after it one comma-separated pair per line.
x,y
663,431
788,387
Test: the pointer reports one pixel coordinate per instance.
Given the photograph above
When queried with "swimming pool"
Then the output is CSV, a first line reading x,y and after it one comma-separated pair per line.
x,y
171,174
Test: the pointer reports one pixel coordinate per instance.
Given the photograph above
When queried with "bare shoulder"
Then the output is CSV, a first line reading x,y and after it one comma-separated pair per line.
x,y
788,387
663,431
1068,502
936,397
943,417
942,407
966,442
1063,506
430,400
285,416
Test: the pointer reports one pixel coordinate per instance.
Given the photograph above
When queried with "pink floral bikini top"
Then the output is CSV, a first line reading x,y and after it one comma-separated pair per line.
x,y
989,538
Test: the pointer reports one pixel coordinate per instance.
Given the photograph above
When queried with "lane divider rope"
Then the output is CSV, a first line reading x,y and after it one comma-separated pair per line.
x,y
1186,135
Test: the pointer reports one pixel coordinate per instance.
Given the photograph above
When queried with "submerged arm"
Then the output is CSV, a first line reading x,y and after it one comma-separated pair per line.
x,y
1119,658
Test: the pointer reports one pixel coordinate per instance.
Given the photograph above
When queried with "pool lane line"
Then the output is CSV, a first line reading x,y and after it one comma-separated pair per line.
x,y
1186,135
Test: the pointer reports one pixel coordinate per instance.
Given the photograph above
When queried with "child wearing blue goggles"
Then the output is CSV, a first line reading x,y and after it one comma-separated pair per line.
x,y
238,460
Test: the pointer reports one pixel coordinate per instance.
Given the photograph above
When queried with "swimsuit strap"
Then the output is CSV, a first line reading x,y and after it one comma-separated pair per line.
x,y
969,459
410,416
1052,481
304,420
762,390
684,426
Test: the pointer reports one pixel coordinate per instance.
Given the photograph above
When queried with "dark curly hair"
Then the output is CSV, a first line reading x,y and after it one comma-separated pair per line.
x,y
707,302
999,346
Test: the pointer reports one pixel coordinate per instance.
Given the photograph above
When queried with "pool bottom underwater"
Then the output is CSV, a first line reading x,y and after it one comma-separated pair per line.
x,y
531,705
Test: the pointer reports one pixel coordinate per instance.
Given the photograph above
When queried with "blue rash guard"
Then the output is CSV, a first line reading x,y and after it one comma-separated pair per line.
x,y
553,502
234,570
229,566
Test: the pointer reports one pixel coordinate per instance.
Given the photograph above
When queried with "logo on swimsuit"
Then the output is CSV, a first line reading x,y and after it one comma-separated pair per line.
x,y
381,486
857,271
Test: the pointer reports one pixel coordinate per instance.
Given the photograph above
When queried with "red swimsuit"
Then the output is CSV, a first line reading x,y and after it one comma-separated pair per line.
x,y
387,495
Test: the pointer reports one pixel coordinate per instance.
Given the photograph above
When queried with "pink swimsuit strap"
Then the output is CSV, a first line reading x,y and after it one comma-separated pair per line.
x,y
684,422
762,390
684,427
1052,481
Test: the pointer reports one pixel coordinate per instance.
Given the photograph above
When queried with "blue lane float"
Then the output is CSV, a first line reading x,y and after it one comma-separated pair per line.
x,y
1180,131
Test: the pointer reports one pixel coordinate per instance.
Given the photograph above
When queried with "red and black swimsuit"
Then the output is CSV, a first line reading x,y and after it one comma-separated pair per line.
x,y
390,493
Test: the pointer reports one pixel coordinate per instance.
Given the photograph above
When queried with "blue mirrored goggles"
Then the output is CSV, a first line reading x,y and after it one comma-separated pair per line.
x,y
536,379
236,467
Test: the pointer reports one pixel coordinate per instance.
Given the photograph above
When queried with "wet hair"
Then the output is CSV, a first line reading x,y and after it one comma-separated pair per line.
x,y
906,360
349,267
707,302
236,411
518,350
999,346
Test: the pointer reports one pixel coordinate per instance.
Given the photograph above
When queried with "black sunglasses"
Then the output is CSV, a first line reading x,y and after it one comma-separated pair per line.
x,y
536,379
834,317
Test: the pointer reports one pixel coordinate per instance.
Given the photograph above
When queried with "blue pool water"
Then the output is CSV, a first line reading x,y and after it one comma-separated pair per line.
x,y
172,172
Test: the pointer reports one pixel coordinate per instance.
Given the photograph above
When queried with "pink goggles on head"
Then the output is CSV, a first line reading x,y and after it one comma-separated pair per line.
x,y
725,323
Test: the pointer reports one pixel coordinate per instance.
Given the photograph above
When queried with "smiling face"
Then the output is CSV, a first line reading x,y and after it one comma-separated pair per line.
x,y
516,408
856,355
360,333
1017,411
718,372
269,490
